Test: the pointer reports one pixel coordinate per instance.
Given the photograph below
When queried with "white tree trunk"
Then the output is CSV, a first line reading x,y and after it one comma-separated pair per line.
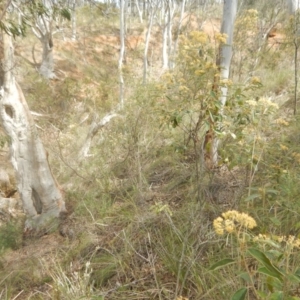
x,y
178,33
167,34
122,52
224,60
293,5
47,64
147,40
229,14
74,33
43,31
40,194
140,13
165,57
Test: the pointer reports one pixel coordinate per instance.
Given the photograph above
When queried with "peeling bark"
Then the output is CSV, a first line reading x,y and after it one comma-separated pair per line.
x,y
40,194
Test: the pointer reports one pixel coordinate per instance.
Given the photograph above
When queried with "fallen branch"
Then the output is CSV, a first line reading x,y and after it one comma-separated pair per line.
x,y
94,128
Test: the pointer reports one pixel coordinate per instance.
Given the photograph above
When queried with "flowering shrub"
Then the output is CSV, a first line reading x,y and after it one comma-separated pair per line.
x,y
276,276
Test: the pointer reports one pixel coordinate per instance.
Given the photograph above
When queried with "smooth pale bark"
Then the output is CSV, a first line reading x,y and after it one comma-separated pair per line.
x,y
93,130
140,13
74,32
229,14
171,10
43,31
167,34
165,57
223,62
178,33
122,52
147,40
293,5
40,194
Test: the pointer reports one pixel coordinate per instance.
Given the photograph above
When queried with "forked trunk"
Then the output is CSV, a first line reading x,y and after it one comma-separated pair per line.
x,y
40,194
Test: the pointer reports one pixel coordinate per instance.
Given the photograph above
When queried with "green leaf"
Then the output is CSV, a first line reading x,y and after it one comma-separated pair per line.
x,y
261,257
277,296
253,196
271,191
240,294
65,13
221,263
245,276
297,273
272,282
275,221
293,278
262,294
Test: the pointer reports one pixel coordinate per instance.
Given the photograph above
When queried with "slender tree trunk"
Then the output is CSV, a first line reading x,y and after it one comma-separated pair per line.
x,y
229,14
293,6
40,194
74,33
171,10
122,52
140,13
147,40
167,34
47,64
178,33
43,31
165,58
223,62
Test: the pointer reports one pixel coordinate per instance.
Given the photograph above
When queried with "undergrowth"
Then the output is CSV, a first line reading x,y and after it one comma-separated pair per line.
x,y
142,204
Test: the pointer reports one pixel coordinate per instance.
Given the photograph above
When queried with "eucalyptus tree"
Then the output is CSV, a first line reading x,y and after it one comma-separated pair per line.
x,y
42,198
153,9
293,5
41,16
140,13
223,63
178,30
169,10
122,52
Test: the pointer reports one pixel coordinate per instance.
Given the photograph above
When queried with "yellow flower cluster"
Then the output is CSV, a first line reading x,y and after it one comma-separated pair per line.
x,y
232,220
296,156
290,241
248,20
221,37
263,102
283,147
226,82
167,78
255,80
281,121
267,103
199,37
251,102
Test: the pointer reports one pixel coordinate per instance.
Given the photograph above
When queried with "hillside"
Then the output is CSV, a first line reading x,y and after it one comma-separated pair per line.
x,y
147,218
